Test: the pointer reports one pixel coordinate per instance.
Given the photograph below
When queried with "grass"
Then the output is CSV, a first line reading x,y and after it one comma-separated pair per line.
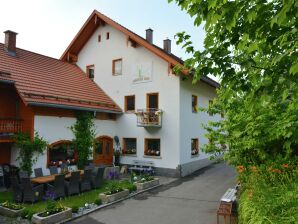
x,y
71,201
270,198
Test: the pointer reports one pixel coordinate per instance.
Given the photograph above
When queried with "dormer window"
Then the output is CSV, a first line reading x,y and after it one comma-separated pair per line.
x,y
90,71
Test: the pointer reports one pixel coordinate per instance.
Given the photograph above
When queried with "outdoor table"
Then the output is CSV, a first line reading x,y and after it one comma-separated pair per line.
x,y
50,178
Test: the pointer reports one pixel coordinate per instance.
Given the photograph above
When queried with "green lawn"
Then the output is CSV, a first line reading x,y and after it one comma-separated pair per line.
x,y
71,201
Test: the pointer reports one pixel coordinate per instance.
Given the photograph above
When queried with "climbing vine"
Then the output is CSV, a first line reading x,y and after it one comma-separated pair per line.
x,y
84,135
29,150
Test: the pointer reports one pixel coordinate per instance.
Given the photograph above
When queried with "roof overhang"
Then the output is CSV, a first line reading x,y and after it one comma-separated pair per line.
x,y
60,106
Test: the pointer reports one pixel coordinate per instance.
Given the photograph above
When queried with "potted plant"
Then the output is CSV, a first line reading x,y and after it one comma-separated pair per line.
x,y
55,212
146,181
114,193
10,209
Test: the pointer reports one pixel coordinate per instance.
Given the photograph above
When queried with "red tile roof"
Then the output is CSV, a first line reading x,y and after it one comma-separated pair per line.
x,y
45,81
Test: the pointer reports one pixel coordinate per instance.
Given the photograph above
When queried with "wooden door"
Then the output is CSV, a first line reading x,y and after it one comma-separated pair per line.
x,y
103,151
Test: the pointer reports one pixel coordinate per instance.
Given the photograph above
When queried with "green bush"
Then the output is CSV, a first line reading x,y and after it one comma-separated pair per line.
x,y
75,209
114,187
269,194
98,201
27,213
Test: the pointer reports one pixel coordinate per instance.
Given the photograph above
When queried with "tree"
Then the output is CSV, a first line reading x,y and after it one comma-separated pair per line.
x,y
252,47
84,133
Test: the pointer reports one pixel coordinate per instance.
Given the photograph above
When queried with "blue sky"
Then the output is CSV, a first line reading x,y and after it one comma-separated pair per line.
x,y
48,26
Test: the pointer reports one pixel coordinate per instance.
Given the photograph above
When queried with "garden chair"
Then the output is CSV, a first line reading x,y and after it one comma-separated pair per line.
x,y
38,172
91,166
17,191
2,176
73,186
53,170
30,193
97,177
58,187
23,174
86,181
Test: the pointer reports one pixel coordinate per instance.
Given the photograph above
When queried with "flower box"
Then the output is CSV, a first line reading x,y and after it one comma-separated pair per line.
x,y
146,185
10,212
55,218
113,197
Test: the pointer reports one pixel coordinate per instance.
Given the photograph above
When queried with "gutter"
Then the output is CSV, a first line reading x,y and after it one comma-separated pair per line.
x,y
7,81
72,107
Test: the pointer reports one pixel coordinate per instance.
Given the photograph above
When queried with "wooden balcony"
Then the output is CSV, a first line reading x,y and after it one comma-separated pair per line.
x,y
149,117
10,125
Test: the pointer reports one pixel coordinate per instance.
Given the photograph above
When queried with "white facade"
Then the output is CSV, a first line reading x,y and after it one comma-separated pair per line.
x,y
179,123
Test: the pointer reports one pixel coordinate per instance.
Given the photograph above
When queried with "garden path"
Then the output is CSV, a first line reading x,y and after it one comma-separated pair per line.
x,y
189,200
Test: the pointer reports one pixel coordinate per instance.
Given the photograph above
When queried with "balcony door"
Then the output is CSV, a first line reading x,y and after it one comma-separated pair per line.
x,y
152,101
103,151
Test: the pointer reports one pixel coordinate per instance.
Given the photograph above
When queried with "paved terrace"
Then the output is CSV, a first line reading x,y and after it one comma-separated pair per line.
x,y
190,200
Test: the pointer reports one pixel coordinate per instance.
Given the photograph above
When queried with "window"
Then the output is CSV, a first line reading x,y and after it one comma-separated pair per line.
x,y
194,146
152,101
152,147
90,71
129,146
194,103
61,152
117,67
108,35
99,38
129,103
210,104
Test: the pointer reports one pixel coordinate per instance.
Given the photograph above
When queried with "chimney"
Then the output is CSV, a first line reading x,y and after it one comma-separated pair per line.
x,y
167,45
10,42
149,35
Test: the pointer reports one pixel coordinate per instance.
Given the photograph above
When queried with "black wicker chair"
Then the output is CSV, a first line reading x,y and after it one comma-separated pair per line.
x,y
17,190
23,174
97,177
58,187
73,186
53,170
86,181
30,193
38,172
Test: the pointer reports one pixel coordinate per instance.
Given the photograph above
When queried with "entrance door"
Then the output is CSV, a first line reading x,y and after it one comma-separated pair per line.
x,y
103,151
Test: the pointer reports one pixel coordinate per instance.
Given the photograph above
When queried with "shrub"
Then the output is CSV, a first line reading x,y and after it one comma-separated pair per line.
x,y
75,209
12,206
113,188
132,188
269,194
98,201
27,213
53,207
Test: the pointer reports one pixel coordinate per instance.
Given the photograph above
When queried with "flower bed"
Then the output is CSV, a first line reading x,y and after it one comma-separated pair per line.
x,y
143,185
43,218
108,198
10,209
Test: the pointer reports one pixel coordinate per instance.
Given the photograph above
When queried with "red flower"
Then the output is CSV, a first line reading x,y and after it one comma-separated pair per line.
x,y
285,165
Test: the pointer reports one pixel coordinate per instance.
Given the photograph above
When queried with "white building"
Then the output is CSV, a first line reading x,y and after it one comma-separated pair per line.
x,y
159,122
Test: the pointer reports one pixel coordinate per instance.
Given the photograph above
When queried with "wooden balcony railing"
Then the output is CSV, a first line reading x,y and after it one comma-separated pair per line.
x,y
149,117
10,125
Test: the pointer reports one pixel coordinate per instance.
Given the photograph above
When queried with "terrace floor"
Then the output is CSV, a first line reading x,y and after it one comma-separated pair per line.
x,y
192,200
